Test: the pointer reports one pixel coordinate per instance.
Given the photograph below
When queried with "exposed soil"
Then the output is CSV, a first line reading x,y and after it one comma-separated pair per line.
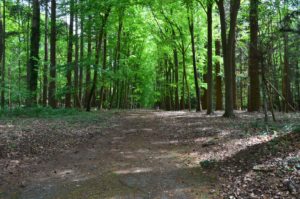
x,y
150,154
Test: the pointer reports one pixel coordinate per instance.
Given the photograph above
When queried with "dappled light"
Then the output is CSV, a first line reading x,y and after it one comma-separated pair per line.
x,y
141,155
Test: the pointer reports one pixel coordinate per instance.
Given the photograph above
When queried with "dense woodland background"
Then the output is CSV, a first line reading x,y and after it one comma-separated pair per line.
x,y
172,54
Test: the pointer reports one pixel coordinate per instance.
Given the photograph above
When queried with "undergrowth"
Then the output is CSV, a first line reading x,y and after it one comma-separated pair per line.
x,y
70,115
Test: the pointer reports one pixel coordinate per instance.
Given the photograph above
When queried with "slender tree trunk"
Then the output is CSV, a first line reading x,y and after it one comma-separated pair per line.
x,y
286,84
45,71
219,94
98,52
52,85
196,75
117,57
20,27
209,60
88,67
176,64
104,60
81,57
254,95
234,85
182,103
76,64
2,53
176,71
69,57
186,82
34,53
227,45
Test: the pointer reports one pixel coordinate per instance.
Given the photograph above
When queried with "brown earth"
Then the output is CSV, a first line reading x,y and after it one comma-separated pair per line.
x,y
149,154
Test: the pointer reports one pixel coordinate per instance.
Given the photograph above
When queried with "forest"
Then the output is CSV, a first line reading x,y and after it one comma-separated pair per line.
x,y
149,99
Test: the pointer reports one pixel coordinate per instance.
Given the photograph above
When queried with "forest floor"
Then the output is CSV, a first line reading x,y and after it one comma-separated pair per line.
x,y
149,154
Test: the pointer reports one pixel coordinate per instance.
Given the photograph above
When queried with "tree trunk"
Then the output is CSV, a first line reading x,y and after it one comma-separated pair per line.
x,y
88,67
286,84
81,56
227,45
52,85
219,94
176,70
45,71
117,57
182,103
254,95
69,57
196,75
98,52
176,64
34,53
2,53
209,60
76,64
234,85
104,60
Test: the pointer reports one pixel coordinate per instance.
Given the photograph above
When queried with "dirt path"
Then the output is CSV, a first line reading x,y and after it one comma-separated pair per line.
x,y
136,157
142,154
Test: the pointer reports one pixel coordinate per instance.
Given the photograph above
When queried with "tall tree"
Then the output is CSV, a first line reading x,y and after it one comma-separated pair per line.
x,y
45,70
88,67
227,46
218,85
98,53
3,52
34,53
209,59
194,59
70,57
254,90
76,62
52,85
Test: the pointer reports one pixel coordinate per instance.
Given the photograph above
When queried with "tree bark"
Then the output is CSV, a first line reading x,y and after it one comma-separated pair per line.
x,y
218,86
69,57
88,67
209,60
76,63
254,90
286,80
104,60
81,56
45,71
34,53
227,45
2,53
196,75
52,85
98,52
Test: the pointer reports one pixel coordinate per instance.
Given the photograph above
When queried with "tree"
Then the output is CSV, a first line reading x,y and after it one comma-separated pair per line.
x,y
77,103
52,85
196,74
209,59
45,71
98,53
254,90
227,46
3,52
218,85
34,53
70,57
